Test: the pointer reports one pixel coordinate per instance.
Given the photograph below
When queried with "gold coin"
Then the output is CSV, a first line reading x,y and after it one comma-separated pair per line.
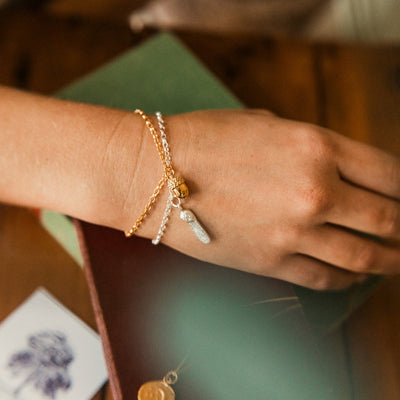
x,y
156,390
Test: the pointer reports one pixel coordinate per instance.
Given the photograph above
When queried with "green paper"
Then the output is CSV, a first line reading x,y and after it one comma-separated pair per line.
x,y
62,229
160,75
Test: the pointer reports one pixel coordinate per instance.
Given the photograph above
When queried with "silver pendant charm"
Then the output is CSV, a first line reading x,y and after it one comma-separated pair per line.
x,y
185,215
189,217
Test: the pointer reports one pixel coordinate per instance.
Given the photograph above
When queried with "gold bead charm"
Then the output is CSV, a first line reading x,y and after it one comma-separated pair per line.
x,y
178,187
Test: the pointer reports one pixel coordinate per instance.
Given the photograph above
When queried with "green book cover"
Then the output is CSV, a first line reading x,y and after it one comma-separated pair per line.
x,y
148,78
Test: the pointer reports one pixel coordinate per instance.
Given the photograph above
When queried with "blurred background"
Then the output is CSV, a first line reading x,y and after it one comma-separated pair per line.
x,y
46,44
361,20
331,62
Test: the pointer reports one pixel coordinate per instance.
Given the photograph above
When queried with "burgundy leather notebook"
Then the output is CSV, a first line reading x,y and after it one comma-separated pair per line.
x,y
156,308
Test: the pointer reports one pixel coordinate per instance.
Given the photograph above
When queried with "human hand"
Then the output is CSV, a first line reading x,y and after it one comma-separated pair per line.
x,y
282,199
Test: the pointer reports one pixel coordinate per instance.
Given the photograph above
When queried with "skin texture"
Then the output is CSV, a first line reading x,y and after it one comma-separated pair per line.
x,y
279,198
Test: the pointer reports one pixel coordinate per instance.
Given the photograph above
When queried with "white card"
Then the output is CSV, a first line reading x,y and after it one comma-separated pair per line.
x,y
46,352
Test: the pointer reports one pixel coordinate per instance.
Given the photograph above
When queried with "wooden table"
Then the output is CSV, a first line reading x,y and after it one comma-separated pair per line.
x,y
352,89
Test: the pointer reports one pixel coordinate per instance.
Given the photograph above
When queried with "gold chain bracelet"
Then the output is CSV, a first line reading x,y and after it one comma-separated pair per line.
x,y
147,209
178,189
168,176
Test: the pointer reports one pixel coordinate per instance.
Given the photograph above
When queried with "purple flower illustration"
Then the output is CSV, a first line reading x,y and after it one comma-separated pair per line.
x,y
44,363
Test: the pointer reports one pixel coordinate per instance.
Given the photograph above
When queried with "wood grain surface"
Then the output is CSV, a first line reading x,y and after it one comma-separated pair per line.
x,y
361,95
352,89
29,258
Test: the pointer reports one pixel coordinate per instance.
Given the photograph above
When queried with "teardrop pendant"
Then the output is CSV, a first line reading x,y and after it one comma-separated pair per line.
x,y
189,217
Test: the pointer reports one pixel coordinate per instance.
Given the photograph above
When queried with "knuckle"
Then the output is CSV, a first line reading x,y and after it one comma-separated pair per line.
x,y
365,259
388,221
315,201
314,143
393,174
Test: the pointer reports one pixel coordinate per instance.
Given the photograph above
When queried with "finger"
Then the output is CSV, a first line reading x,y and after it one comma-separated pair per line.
x,y
366,211
315,274
369,167
351,252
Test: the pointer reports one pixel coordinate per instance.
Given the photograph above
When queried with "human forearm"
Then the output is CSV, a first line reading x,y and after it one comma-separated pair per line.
x,y
66,156
279,198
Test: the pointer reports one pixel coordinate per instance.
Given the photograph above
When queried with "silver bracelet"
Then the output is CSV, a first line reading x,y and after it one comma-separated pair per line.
x,y
174,201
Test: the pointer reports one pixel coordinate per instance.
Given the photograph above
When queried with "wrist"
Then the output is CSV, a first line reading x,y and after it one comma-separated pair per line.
x,y
136,217
133,170
128,180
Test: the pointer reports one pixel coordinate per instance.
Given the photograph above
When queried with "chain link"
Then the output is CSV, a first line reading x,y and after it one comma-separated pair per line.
x,y
152,200
164,155
169,173
164,142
